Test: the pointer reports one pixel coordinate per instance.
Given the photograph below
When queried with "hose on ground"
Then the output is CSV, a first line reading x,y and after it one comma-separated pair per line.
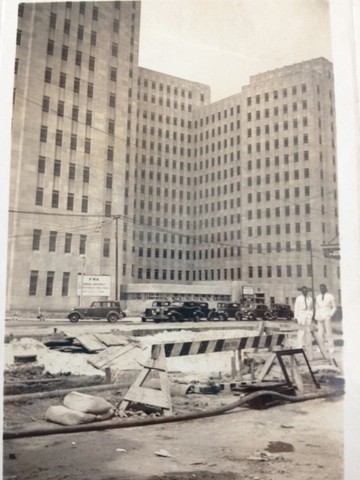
x,y
120,423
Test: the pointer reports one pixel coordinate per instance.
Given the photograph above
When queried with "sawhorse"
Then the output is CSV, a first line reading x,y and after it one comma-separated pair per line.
x,y
278,355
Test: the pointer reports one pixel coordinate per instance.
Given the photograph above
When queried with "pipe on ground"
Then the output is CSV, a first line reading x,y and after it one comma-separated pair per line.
x,y
120,423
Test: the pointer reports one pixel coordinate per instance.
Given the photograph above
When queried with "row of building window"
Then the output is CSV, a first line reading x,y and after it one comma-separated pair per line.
x,y
275,94
276,144
168,103
49,286
217,117
53,239
59,139
207,253
180,275
57,169
70,201
63,79
259,130
279,271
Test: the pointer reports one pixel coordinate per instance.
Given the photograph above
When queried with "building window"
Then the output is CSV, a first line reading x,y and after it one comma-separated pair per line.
x,y
52,241
112,100
108,209
75,113
93,38
55,199
36,240
72,169
60,108
91,63
73,142
114,49
39,196
109,180
67,26
86,174
43,134
70,201
65,284
64,52
49,283
82,7
116,26
113,74
68,240
78,58
80,32
298,270
95,13
88,117
106,247
84,204
62,81
76,87
48,74
50,47
82,245
87,147
34,275
57,168
45,104
41,164
110,154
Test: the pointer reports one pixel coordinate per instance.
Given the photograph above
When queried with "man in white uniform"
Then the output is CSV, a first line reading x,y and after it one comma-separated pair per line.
x,y
325,308
303,313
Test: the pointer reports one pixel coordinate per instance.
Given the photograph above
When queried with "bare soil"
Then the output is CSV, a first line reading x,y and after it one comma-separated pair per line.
x,y
301,441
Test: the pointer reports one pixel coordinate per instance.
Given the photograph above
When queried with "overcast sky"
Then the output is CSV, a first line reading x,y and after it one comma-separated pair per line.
x,y
222,42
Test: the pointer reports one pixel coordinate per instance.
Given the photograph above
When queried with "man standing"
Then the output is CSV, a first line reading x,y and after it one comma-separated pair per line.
x,y
303,313
325,308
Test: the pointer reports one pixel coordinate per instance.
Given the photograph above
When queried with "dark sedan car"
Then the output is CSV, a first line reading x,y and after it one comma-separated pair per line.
x,y
255,311
282,310
109,309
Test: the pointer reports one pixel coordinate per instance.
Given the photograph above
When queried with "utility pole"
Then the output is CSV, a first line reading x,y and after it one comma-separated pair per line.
x,y
116,258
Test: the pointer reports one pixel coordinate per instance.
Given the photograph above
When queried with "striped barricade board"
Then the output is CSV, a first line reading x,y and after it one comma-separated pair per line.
x,y
179,349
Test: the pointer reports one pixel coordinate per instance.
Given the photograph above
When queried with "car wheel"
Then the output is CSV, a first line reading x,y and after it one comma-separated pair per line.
x,y
251,317
212,316
112,318
222,317
268,316
197,317
238,316
74,317
143,319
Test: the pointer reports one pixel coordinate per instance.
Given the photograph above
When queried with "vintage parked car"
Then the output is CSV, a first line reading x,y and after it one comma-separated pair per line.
x,y
282,310
255,311
181,311
226,310
155,309
109,309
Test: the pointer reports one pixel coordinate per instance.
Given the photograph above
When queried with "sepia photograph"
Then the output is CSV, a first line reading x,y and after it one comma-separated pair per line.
x,y
180,240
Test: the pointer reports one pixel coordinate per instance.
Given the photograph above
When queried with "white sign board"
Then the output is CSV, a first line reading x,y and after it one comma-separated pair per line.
x,y
93,286
248,290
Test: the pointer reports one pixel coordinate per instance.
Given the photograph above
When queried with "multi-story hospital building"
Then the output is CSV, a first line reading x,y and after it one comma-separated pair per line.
x,y
125,173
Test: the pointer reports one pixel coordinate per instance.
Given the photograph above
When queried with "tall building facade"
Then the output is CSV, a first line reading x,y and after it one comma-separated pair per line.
x,y
122,171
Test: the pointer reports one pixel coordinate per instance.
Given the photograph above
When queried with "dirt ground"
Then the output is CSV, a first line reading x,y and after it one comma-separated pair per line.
x,y
291,441
301,441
